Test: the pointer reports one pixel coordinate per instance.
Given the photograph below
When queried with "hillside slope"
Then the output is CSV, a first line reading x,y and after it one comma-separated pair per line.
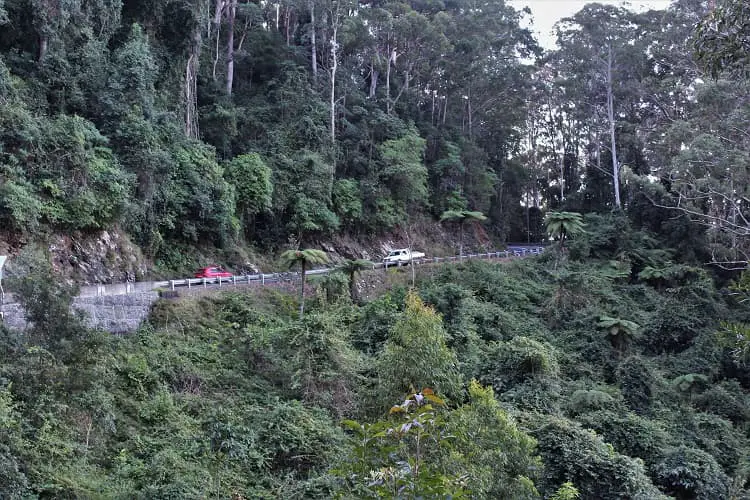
x,y
620,387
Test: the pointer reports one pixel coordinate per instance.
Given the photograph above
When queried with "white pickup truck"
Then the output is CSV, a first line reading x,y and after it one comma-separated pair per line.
x,y
402,256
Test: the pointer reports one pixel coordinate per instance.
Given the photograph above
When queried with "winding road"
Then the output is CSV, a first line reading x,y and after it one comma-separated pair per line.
x,y
514,251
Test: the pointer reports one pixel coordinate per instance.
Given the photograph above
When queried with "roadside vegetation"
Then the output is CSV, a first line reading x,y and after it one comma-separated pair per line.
x,y
155,138
560,376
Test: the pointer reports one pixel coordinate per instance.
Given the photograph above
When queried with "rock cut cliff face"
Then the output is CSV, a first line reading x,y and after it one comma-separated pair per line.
x,y
102,257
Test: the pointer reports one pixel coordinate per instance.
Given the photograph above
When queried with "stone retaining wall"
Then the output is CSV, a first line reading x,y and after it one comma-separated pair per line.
x,y
113,313
116,313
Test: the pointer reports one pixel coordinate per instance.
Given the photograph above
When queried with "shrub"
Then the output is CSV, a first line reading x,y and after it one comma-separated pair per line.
x,y
521,358
416,355
630,434
571,453
690,473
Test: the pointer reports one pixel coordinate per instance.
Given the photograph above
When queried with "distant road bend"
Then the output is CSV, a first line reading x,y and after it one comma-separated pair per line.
x,y
513,251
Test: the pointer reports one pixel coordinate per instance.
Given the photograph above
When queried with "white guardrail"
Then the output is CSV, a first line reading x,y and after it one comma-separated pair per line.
x,y
263,278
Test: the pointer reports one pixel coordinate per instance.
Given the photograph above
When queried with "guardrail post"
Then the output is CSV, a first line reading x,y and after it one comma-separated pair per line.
x,y
262,279
204,283
171,284
189,284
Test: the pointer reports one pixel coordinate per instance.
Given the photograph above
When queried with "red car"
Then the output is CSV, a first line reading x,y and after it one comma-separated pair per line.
x,y
213,272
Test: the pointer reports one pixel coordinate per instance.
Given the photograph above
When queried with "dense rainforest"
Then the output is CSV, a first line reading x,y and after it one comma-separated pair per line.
x,y
615,365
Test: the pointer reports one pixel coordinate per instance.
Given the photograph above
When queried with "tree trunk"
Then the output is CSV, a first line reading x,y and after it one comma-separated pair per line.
x,y
611,117
405,86
190,92
43,47
231,13
244,35
219,8
391,56
432,115
302,291
460,239
562,176
353,287
287,19
334,67
468,104
313,44
373,80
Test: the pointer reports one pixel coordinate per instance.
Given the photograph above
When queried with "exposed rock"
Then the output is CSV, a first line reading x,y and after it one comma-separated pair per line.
x,y
103,257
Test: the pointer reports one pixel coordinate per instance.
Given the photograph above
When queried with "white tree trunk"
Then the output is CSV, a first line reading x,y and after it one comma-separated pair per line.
x,y
373,80
218,10
611,118
43,47
334,67
190,92
231,13
313,44
391,57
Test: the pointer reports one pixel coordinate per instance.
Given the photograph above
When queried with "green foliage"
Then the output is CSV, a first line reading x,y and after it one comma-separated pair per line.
x,y
198,199
332,288
21,206
566,492
424,448
404,169
305,259
347,201
416,355
564,225
636,380
236,394
71,179
135,71
498,456
251,179
47,301
303,186
13,482
571,453
352,268
118,115
378,318
518,359
690,383
721,40
399,456
461,217
583,401
322,363
736,337
628,433
726,400
690,473
620,331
